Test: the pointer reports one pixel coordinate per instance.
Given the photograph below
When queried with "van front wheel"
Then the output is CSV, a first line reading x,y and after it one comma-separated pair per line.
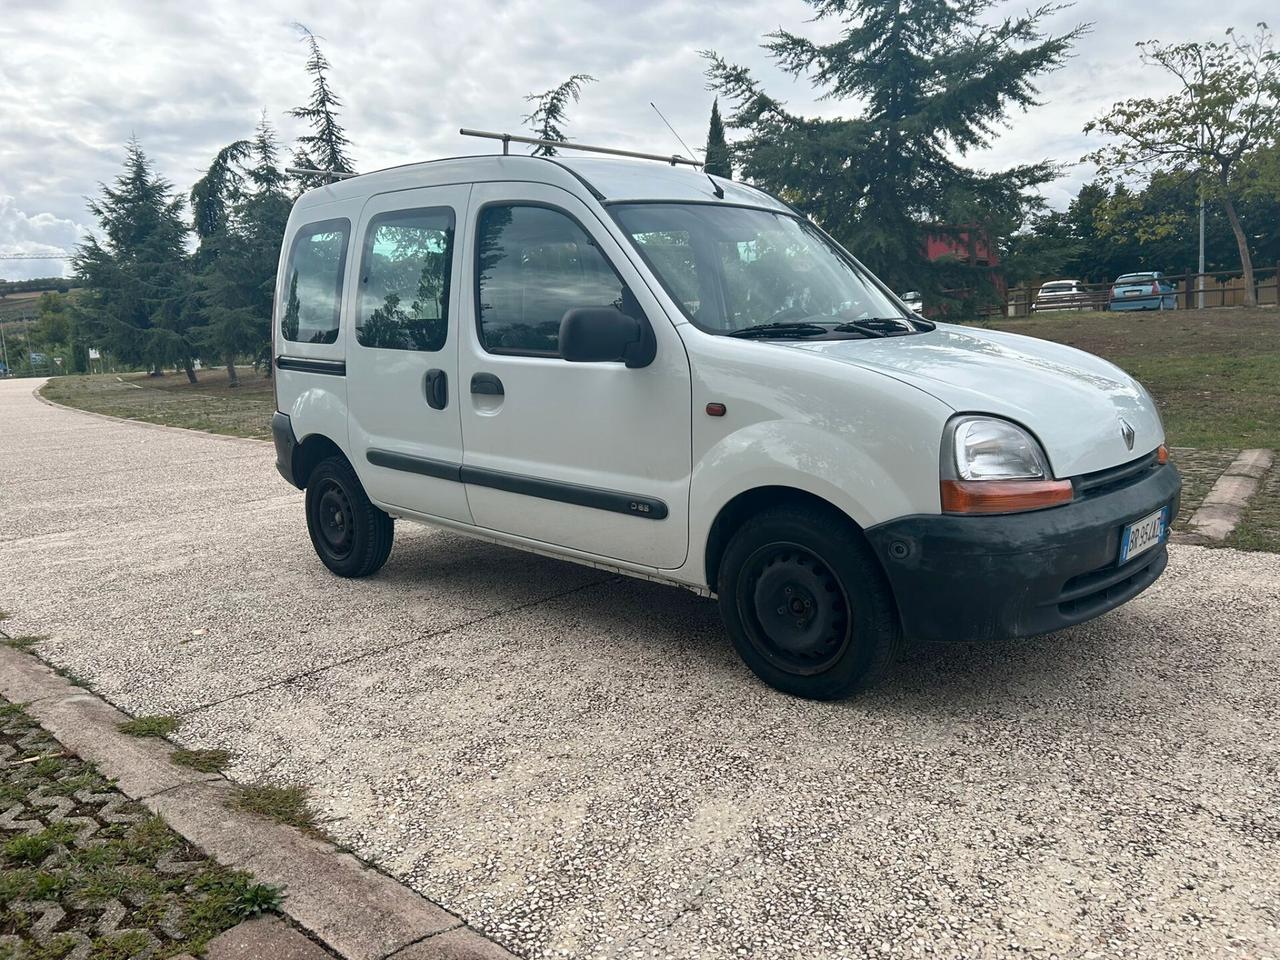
x,y
351,536
806,603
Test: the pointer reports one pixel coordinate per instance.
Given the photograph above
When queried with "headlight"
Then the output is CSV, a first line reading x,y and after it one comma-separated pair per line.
x,y
987,449
994,466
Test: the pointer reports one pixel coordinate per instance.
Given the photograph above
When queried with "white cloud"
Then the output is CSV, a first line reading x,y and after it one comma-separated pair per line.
x,y
79,77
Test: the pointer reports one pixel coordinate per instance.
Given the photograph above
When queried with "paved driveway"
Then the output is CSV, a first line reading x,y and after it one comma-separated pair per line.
x,y
578,764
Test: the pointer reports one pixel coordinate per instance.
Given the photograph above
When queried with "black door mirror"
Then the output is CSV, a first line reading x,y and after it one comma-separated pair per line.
x,y
603,334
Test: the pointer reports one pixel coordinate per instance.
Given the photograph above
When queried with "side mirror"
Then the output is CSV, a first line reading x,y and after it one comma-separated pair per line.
x,y
604,334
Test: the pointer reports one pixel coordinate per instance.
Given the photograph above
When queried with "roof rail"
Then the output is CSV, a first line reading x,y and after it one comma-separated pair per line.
x,y
331,174
509,138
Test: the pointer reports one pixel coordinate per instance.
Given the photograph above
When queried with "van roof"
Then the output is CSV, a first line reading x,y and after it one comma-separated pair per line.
x,y
613,180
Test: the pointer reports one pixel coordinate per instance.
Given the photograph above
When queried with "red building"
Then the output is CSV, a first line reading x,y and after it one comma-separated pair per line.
x,y
975,250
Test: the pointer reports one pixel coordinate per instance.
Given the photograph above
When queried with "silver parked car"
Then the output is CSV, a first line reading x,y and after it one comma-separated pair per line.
x,y
1061,295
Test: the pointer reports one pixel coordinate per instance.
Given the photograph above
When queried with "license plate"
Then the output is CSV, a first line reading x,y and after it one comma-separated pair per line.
x,y
1132,293
1141,535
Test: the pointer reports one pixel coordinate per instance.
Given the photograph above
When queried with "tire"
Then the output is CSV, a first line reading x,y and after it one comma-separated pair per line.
x,y
351,536
806,603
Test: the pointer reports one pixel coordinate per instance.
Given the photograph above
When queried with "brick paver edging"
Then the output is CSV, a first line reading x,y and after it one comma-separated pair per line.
x,y
356,911
1222,508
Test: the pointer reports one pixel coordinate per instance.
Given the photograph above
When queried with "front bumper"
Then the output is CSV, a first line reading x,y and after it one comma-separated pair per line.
x,y
973,578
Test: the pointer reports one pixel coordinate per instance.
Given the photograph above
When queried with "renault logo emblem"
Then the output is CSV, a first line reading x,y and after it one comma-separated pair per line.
x,y
1126,431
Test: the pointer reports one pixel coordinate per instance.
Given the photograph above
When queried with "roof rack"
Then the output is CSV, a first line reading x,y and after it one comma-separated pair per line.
x,y
510,138
331,174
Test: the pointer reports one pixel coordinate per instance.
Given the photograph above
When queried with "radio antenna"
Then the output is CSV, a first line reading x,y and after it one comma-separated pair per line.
x,y
672,129
715,187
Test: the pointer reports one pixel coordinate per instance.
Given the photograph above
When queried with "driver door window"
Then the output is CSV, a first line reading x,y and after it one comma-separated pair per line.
x,y
533,264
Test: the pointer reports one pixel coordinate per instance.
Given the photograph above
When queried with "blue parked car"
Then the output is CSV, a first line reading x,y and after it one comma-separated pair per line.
x,y
1143,291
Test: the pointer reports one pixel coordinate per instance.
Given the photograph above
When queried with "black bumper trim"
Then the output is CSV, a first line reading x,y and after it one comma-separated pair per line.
x,y
286,442
1017,575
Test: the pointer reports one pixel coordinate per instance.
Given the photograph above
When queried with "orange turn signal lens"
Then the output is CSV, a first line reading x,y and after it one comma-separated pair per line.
x,y
1162,454
1003,496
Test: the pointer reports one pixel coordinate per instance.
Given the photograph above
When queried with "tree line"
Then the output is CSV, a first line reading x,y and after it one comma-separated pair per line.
x,y
922,84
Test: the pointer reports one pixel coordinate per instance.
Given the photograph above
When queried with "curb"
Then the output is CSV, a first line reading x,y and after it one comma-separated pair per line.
x,y
141,423
1222,508
351,908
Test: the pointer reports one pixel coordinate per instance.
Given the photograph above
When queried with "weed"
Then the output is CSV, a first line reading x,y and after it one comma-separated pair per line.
x,y
287,805
206,761
159,725
25,642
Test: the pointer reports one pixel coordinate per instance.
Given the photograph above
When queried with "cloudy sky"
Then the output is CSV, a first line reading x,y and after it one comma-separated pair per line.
x,y
79,77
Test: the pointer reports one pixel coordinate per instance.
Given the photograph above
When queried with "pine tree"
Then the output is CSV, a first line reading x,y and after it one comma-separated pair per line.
x,y
238,276
137,302
718,161
931,80
325,148
549,112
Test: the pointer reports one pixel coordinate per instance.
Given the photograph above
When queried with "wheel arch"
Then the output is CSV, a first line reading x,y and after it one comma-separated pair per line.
x,y
740,508
309,452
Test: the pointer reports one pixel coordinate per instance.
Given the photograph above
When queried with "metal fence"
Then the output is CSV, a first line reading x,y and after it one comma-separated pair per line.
x,y
1190,290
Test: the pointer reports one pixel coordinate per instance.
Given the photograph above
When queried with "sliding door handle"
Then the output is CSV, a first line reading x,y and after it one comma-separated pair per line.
x,y
487,383
436,386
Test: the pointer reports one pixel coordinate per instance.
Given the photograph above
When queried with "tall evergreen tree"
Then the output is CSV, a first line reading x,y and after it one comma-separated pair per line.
x,y
326,147
930,79
718,161
138,298
237,279
213,194
549,111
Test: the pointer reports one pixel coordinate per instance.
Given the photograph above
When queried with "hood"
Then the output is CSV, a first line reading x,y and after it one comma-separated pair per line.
x,y
1071,400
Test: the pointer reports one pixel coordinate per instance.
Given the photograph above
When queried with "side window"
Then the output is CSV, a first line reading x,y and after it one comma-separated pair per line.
x,y
313,283
404,280
534,264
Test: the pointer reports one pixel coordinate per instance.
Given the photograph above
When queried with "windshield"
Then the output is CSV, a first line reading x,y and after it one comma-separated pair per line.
x,y
735,268
1135,277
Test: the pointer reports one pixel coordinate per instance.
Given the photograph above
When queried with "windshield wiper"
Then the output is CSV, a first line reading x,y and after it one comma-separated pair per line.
x,y
865,327
782,329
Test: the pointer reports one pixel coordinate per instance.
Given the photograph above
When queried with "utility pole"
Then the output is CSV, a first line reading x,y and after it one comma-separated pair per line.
x,y
1200,266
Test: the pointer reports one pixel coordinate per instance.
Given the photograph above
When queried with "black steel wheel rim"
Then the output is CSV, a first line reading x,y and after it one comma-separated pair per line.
x,y
796,612
335,519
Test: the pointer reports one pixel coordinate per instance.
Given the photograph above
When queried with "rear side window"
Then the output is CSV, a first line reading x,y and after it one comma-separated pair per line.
x,y
404,280
533,264
313,282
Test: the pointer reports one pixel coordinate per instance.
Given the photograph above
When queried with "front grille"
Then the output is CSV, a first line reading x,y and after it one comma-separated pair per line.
x,y
1113,478
1099,588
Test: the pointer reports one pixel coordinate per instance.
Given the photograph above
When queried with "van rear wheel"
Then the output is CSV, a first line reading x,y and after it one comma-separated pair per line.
x,y
351,536
806,604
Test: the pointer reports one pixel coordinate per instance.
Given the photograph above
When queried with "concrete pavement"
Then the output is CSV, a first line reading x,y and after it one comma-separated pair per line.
x,y
578,765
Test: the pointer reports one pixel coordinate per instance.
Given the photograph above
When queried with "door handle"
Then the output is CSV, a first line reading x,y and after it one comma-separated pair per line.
x,y
436,386
487,383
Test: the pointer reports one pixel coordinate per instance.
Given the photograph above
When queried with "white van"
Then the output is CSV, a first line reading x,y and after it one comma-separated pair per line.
x,y
673,376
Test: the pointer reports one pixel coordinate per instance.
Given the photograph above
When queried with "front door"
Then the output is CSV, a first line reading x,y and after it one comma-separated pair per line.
x,y
590,456
402,358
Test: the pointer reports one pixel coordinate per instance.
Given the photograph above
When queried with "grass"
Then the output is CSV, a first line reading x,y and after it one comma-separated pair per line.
x,y
25,642
160,725
122,862
288,805
1259,528
206,761
210,405
1215,374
